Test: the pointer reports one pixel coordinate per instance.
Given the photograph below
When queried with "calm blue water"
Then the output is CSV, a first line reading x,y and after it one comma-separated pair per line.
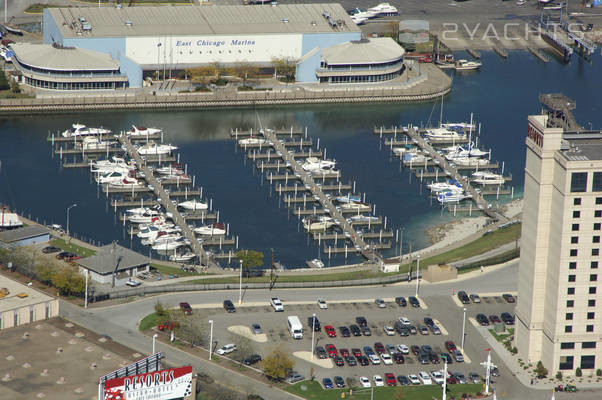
x,y
501,96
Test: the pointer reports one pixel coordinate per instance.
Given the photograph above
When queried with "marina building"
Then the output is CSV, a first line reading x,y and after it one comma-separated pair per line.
x,y
117,47
559,309
24,236
20,304
113,265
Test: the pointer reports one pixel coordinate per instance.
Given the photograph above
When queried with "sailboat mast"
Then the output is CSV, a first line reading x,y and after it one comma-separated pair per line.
x,y
441,113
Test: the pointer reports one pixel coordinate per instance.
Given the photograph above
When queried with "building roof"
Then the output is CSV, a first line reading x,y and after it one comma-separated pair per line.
x,y
111,255
57,58
11,301
584,150
200,20
365,51
8,219
25,232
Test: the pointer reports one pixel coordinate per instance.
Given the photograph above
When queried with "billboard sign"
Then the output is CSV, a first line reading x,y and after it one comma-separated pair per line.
x,y
167,384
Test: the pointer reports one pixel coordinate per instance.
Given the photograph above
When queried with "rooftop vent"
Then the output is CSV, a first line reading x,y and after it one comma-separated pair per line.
x,y
285,20
86,26
128,23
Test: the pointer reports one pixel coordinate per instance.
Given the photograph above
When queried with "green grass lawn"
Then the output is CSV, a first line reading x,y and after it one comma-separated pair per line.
x,y
79,250
501,337
168,270
315,391
340,276
149,321
38,8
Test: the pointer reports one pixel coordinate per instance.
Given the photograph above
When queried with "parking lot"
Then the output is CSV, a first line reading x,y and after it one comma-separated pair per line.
x,y
446,312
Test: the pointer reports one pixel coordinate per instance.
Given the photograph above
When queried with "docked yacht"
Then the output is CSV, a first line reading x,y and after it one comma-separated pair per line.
x,y
78,130
488,178
252,141
173,169
143,131
362,218
414,158
444,134
105,166
154,148
362,13
112,176
356,206
459,126
151,232
465,65
315,263
459,151
93,143
468,161
314,164
193,205
168,246
450,185
217,228
164,237
318,223
383,9
141,210
183,257
359,20
145,218
348,199
127,182
452,197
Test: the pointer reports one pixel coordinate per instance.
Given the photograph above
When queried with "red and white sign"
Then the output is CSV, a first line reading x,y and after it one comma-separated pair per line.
x,y
167,384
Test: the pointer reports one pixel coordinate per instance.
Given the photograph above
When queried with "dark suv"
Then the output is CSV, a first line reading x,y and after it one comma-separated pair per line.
x,y
310,323
401,301
361,321
229,306
414,302
463,297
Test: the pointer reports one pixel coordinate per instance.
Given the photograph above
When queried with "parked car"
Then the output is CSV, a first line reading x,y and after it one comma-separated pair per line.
x,y
344,352
374,359
423,329
350,360
252,359
463,297
391,349
390,379
401,329
415,349
509,298
50,249
361,321
403,349
426,348
294,377
378,380
345,332
355,330
437,377
412,329
368,350
256,328
482,319
435,329
446,357
451,380
403,380
507,318
414,302
185,308
423,358
460,377
387,359
332,350
401,301
133,283
404,321
338,361
425,378
276,304
434,358
380,303
356,352
225,349
428,321
475,298
365,382
458,357
450,346
366,330
414,379
379,348
322,304
474,377
339,382
314,323
363,361
389,331
399,358
229,306
327,383
329,329
494,318
495,371
321,352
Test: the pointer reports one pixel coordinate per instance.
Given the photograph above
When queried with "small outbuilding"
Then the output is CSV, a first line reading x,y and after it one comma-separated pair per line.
x,y
114,264
24,236
20,304
440,273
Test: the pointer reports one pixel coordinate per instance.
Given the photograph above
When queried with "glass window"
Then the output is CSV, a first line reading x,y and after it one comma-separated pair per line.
x,y
593,277
578,182
591,303
588,362
577,201
598,200
574,239
597,183
576,214
591,315
596,239
569,316
573,252
570,303
568,329
596,226
566,362
592,290
570,290
589,328
572,265
567,345
597,213
588,345
575,227
572,278
595,252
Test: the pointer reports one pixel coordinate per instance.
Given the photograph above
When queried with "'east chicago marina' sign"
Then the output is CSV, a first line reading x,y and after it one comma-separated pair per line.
x,y
214,43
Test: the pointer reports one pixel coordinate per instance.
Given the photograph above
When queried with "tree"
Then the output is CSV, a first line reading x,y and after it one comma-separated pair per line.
x,y
578,372
540,370
218,70
187,329
559,375
278,364
68,281
160,309
14,86
244,347
4,85
243,70
202,74
250,258
44,273
285,67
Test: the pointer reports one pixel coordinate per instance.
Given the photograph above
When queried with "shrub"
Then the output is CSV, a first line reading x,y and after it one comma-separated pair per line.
x,y
4,85
578,372
540,370
599,372
559,375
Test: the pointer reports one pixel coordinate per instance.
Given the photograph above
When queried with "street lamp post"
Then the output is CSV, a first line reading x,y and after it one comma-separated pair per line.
x,y
417,273
210,338
313,329
463,328
86,296
68,211
155,336
444,395
240,285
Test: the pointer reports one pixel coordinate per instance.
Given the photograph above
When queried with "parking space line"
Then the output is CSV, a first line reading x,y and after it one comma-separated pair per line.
x,y
474,322
441,327
457,301
467,359
422,303
306,356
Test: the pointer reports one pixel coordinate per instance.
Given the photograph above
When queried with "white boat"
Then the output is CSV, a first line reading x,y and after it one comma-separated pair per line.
x,y
185,257
145,218
459,151
445,186
83,130
167,246
112,176
172,169
154,148
127,183
359,20
414,158
164,237
465,65
384,9
443,134
150,230
217,228
451,197
314,164
459,126
318,223
93,143
193,205
142,210
399,151
116,163
252,141
6,54
315,263
468,161
488,178
362,13
353,206
363,218
348,199
143,131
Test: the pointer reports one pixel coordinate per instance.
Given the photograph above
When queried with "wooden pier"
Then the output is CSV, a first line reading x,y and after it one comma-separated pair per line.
x,y
501,51
473,53
274,155
240,133
58,138
538,54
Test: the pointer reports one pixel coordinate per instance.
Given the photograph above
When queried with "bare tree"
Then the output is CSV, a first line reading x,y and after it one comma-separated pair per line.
x,y
285,67
244,346
243,70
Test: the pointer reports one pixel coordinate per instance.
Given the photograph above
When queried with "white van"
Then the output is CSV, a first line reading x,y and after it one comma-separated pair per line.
x,y
295,327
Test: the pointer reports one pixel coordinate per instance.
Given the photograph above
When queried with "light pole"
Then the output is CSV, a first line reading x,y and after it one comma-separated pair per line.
x,y
240,285
417,273
86,297
313,329
210,338
155,336
463,328
444,395
68,211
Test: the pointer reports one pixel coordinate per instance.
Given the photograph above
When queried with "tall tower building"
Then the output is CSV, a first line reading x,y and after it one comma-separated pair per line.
x,y
559,308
